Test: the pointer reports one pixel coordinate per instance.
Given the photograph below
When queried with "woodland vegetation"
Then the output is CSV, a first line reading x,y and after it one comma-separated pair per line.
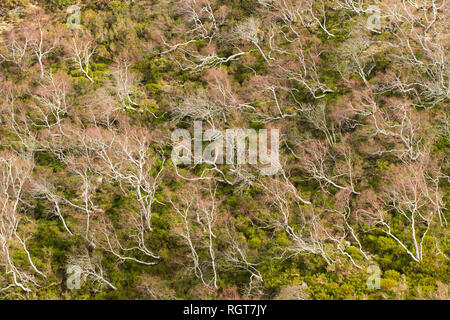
x,y
87,180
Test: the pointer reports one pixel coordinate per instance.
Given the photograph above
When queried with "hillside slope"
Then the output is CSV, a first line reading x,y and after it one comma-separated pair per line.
x,y
97,97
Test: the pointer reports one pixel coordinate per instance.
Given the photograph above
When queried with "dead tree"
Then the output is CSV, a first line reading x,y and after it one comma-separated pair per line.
x,y
43,43
203,24
197,219
82,49
125,84
405,201
15,175
88,267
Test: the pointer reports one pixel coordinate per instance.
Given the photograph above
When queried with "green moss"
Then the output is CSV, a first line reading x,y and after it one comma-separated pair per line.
x,y
47,159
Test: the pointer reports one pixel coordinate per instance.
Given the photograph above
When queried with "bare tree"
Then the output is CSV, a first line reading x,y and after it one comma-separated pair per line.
x,y
198,217
305,231
130,162
127,161
249,30
17,49
43,190
237,258
43,42
125,83
317,116
421,34
82,49
90,268
52,105
401,123
405,201
298,62
15,174
357,56
203,24
198,106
